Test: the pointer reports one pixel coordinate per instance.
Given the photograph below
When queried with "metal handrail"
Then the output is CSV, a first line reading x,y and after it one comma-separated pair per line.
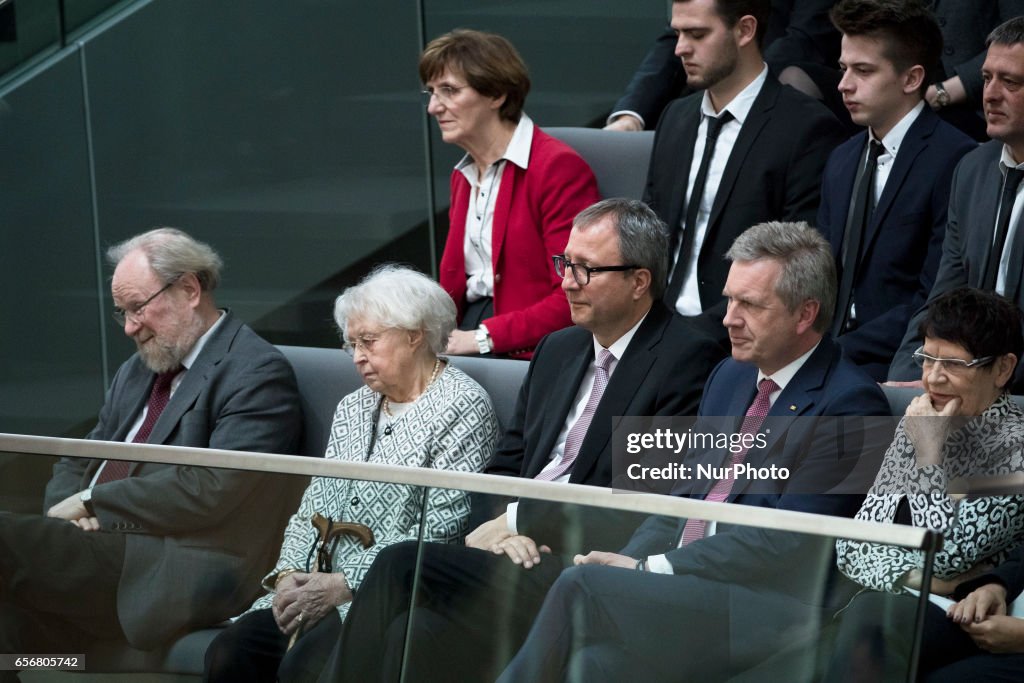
x,y
766,518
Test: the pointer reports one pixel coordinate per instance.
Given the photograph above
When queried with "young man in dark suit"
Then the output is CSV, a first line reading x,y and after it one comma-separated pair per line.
x,y
141,551
984,242
744,151
472,602
732,598
885,191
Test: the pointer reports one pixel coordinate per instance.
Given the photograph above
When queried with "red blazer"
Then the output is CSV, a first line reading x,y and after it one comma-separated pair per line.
x,y
532,218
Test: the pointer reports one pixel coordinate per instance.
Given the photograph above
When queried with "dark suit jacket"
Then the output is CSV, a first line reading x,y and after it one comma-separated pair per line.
x,y
662,372
818,459
773,172
965,25
197,540
901,247
970,226
797,32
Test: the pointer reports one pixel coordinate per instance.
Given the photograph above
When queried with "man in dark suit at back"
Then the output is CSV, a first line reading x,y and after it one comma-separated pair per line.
x,y
984,242
798,32
682,601
473,602
744,151
142,551
885,191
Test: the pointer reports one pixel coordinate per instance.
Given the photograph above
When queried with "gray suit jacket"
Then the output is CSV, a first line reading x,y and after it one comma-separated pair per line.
x,y
970,224
197,540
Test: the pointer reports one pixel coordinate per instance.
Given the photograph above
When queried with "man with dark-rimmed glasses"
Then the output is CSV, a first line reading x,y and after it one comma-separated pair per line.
x,y
628,354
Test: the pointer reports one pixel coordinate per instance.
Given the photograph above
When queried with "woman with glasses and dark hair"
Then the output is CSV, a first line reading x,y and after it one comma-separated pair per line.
x,y
414,410
513,196
965,425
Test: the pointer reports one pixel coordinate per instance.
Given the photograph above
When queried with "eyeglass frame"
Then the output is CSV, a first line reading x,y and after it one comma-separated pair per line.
x,y
445,94
589,270
121,315
920,358
350,346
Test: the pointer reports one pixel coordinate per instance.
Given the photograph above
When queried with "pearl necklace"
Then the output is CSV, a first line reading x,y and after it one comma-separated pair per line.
x,y
385,404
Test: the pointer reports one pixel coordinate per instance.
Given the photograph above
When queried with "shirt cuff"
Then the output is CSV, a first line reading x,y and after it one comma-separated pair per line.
x,y
626,112
659,564
510,517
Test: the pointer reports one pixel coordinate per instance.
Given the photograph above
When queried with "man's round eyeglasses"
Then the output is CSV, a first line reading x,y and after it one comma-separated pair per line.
x,y
580,273
445,93
134,313
953,365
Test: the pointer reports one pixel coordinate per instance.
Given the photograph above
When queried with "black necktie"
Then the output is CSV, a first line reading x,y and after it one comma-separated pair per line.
x,y
692,207
1006,199
861,207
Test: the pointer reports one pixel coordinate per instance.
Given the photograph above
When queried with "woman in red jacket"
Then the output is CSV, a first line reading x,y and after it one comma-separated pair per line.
x,y
513,196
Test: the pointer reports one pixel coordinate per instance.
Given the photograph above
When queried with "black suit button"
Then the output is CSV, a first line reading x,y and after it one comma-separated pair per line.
x,y
355,502
949,50
942,21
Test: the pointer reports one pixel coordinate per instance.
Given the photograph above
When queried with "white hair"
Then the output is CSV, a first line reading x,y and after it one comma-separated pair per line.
x,y
399,297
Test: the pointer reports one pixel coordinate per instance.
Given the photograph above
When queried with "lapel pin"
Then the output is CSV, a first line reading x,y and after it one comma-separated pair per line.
x,y
793,408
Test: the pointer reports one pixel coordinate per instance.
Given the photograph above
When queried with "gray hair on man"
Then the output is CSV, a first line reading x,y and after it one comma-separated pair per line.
x,y
1010,32
643,237
808,268
395,296
172,253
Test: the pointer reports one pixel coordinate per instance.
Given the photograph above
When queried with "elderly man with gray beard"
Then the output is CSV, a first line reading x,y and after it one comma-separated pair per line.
x,y
142,551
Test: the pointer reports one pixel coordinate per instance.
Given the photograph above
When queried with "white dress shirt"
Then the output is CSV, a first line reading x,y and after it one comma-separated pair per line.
x,y
688,302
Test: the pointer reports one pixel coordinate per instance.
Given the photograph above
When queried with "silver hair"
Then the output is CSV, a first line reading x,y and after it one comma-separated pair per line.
x,y
643,238
399,297
808,268
172,253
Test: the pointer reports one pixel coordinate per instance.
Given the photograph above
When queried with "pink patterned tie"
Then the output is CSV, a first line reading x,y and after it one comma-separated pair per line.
x,y
758,410
574,439
158,399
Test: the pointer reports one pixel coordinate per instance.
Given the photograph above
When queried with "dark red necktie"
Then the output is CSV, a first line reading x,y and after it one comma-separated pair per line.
x,y
158,399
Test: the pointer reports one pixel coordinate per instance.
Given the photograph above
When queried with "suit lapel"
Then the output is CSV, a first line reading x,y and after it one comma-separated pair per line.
x,y
566,386
751,129
845,181
914,143
685,144
630,373
195,379
502,209
798,398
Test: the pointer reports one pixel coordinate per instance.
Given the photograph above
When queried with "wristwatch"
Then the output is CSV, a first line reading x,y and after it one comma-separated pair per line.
x,y
483,340
86,498
941,95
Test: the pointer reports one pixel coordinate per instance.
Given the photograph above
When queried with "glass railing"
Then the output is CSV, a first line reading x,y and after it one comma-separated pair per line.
x,y
291,136
736,607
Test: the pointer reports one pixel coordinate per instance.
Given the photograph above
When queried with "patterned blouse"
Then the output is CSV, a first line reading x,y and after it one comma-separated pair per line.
x,y
974,530
452,426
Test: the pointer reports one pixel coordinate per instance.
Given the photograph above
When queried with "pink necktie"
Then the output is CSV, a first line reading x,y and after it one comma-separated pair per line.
x,y
158,399
574,439
758,410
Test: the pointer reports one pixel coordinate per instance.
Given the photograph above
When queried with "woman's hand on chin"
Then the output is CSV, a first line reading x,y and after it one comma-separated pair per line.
x,y
928,428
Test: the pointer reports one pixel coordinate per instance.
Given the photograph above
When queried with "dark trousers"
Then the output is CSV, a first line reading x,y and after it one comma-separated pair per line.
x,y
58,585
253,650
874,638
613,624
471,612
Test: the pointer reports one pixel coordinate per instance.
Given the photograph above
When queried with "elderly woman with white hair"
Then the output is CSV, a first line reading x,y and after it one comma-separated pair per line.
x,y
415,410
